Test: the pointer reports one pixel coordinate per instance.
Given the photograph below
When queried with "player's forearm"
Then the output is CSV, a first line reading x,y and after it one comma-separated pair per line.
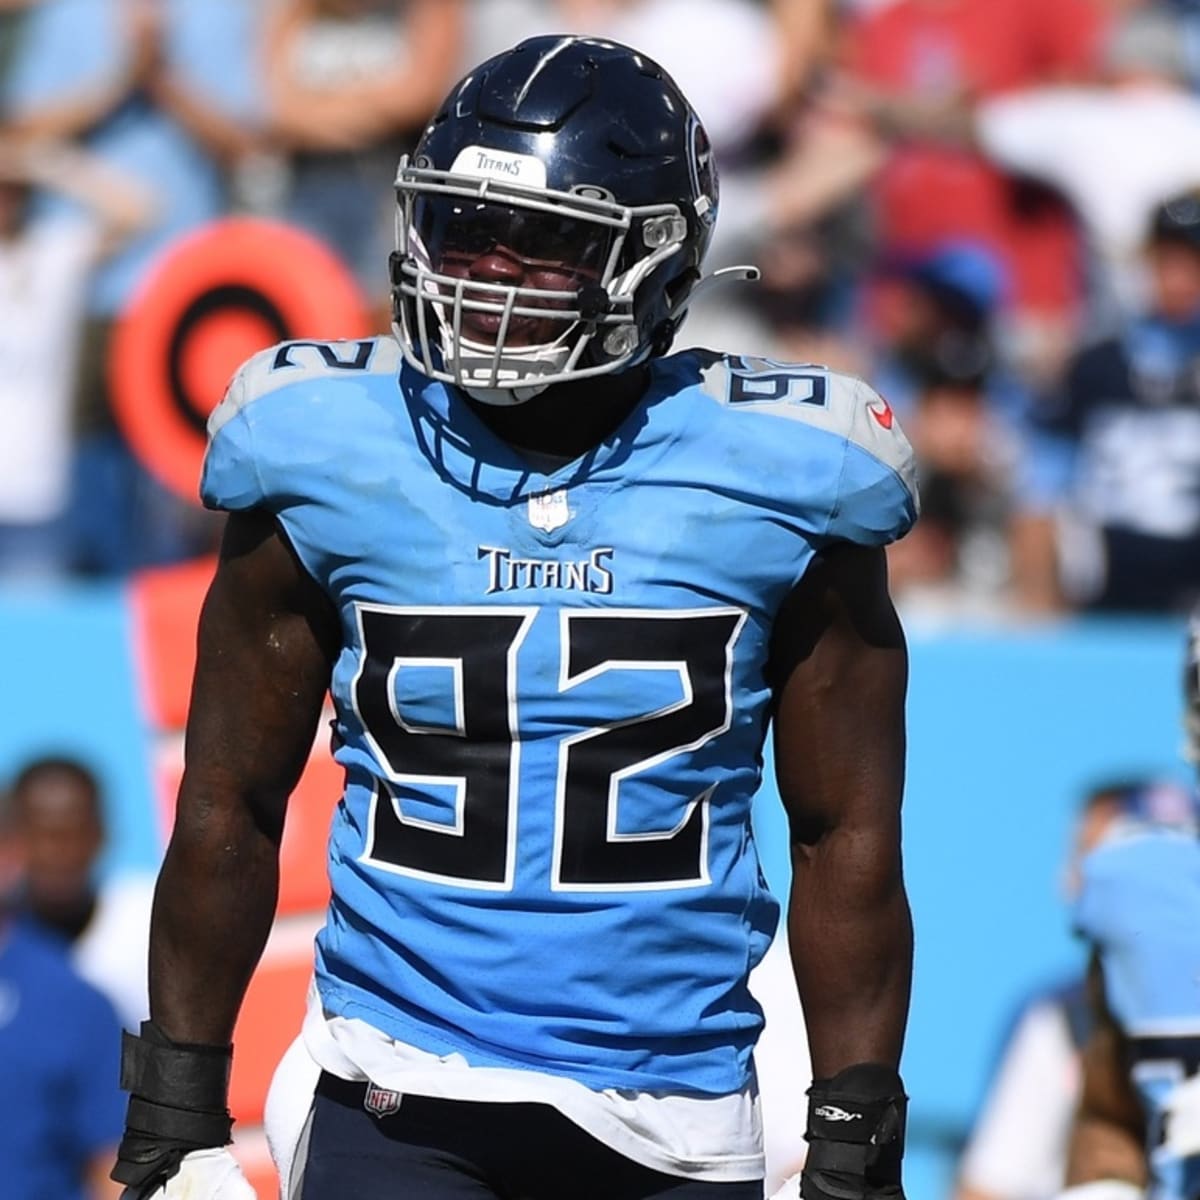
x,y
213,909
1108,1136
123,205
1101,1150
852,942
223,137
74,115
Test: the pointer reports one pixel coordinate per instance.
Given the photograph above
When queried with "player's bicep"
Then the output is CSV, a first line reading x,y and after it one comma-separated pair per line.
x,y
839,671
267,640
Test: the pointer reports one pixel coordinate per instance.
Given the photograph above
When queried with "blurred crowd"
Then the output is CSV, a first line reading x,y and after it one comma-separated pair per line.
x,y
988,208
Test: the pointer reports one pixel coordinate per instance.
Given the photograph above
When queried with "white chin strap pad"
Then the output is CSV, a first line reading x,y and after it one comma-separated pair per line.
x,y
506,397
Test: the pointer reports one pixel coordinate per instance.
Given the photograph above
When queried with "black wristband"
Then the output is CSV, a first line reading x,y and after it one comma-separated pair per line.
x,y
855,1135
178,1103
181,1074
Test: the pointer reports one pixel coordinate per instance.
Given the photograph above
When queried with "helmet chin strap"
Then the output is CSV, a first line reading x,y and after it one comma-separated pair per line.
x,y
506,397
529,361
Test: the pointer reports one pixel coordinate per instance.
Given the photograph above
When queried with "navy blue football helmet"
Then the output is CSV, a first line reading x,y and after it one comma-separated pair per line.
x,y
552,221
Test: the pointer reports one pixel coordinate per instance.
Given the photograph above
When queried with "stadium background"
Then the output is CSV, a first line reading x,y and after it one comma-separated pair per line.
x,y
1013,713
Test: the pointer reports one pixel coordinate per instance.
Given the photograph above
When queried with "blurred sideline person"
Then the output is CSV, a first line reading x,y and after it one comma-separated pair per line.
x,y
349,84
1110,499
1137,1130
561,584
46,266
59,811
60,1107
1018,1147
157,90
938,365
914,64
1070,136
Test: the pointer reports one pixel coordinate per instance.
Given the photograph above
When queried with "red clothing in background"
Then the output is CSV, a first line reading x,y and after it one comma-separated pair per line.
x,y
938,49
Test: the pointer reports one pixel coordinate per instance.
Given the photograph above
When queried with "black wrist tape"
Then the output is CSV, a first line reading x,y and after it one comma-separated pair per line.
x,y
178,1102
856,1129
179,1074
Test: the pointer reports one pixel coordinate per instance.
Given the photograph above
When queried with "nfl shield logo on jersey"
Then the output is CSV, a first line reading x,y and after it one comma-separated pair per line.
x,y
379,1102
548,510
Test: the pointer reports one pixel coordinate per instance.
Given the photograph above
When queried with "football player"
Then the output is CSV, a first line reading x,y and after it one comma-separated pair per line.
x,y
1137,1131
560,583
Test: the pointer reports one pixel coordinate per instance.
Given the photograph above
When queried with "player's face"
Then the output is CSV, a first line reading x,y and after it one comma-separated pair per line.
x,y
495,244
1175,275
62,838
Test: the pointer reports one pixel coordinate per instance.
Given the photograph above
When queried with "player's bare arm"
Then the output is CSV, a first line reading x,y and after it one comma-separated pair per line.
x,y
840,747
1108,1136
266,645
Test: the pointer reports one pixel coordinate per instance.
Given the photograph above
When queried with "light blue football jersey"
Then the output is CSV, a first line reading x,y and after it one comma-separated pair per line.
x,y
550,700
1140,906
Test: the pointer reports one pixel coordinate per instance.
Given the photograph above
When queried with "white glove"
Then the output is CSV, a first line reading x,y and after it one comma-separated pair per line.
x,y
203,1175
1102,1189
1183,1119
789,1190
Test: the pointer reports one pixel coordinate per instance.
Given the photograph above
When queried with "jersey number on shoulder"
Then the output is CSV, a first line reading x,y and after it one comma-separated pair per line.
x,y
476,649
333,356
772,382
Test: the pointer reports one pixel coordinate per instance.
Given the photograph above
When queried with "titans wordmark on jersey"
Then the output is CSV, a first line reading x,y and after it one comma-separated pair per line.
x,y
1139,905
550,700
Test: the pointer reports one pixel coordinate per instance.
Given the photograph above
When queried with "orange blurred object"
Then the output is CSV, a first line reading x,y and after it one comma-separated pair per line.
x,y
234,287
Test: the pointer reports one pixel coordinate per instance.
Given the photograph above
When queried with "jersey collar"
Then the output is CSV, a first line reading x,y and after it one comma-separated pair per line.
x,y
468,454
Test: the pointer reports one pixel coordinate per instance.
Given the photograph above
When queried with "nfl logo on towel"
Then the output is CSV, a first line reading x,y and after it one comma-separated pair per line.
x,y
379,1102
548,510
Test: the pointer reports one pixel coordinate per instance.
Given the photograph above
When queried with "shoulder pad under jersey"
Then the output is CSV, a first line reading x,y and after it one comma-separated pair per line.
x,y
872,482
254,426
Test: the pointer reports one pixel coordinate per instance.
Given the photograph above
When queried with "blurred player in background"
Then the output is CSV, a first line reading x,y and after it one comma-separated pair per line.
x,y
560,584
1137,1131
1018,1147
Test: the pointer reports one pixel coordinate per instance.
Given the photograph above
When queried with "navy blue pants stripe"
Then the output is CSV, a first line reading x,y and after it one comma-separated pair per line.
x,y
460,1150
